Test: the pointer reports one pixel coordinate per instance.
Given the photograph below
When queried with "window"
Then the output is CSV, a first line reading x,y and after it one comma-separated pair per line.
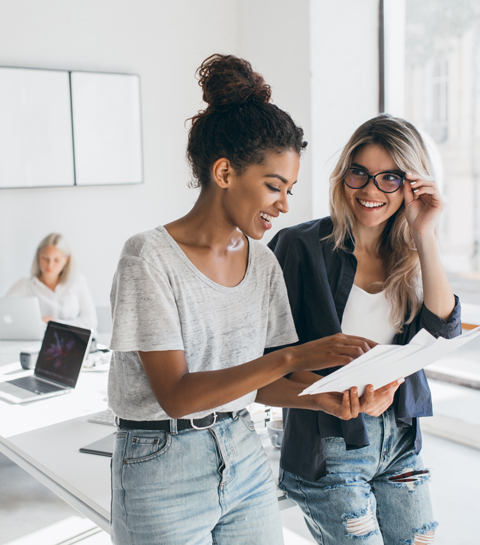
x,y
437,122
440,81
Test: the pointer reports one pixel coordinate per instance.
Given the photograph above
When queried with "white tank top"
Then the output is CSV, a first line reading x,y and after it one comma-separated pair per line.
x,y
368,315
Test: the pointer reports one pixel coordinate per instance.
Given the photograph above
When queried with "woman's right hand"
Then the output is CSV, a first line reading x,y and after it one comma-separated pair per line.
x,y
48,318
332,351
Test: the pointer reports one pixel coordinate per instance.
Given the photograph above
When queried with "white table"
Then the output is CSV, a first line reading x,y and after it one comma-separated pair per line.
x,y
44,438
10,350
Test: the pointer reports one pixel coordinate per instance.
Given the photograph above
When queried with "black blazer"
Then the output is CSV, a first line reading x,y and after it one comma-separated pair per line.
x,y
319,281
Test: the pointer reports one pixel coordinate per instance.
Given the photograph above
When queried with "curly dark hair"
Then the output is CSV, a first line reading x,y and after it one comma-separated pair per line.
x,y
240,123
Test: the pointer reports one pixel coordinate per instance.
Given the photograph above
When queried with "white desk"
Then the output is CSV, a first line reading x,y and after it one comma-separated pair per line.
x,y
10,350
44,438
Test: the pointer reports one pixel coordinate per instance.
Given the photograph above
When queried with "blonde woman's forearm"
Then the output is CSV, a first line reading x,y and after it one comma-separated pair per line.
x,y
437,293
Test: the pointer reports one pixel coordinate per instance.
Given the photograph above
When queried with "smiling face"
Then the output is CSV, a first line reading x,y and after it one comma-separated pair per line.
x,y
51,262
258,195
372,208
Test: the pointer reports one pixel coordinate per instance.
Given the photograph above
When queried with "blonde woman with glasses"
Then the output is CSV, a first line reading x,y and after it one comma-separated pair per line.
x,y
371,269
62,292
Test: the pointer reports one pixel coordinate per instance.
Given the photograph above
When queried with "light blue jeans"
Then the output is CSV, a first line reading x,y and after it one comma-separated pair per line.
x,y
197,487
371,496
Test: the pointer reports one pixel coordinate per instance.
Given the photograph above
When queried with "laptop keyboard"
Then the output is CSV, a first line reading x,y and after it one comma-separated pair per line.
x,y
33,384
105,417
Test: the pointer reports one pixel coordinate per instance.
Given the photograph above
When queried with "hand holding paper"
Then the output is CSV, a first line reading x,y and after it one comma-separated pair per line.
x,y
386,363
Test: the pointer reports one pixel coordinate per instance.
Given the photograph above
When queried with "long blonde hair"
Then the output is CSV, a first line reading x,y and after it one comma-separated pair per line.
x,y
59,241
397,247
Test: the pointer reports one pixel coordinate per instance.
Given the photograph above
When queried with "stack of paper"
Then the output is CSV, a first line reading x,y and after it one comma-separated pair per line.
x,y
385,363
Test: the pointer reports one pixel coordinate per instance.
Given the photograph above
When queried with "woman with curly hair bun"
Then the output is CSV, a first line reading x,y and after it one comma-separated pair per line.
x,y
371,269
195,303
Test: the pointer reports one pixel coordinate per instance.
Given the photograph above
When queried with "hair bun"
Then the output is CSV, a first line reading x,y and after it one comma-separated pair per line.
x,y
227,80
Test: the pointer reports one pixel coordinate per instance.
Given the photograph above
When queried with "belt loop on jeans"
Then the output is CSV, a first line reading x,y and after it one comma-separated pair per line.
x,y
173,427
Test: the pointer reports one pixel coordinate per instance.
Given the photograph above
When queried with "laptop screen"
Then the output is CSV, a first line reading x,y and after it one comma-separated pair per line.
x,y
62,353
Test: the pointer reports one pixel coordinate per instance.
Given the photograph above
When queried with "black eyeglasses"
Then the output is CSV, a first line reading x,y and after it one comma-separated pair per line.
x,y
387,182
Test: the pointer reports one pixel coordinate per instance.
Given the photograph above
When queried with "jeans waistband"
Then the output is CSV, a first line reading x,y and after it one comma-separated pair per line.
x,y
181,424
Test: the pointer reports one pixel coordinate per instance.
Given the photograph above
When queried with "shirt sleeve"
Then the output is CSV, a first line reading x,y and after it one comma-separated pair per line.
x,y
436,326
88,315
281,328
19,289
144,310
286,253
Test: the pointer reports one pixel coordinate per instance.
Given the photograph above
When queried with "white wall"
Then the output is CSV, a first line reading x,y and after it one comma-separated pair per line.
x,y
304,48
162,41
344,65
275,38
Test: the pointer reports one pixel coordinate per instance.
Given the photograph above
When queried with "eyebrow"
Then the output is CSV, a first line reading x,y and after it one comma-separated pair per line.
x,y
284,180
394,170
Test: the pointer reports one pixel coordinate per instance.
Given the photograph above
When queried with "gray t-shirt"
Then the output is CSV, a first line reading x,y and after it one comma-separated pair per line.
x,y
161,301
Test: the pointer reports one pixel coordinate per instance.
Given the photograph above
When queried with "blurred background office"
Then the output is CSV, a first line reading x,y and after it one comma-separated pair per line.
x,y
332,65
61,290
311,69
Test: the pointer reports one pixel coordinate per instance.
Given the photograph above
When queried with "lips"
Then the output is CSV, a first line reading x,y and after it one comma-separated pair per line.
x,y
266,219
371,205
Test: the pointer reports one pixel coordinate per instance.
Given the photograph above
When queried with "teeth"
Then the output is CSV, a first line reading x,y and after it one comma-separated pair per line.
x,y
369,204
266,217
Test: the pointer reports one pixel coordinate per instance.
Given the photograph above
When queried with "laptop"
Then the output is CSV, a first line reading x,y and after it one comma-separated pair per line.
x,y
103,447
20,319
64,349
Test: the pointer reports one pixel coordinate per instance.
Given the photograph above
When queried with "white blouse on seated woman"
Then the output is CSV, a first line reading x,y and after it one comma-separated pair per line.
x,y
70,304
63,294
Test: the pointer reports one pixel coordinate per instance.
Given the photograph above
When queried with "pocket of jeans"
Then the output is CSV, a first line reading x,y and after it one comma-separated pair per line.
x,y
245,418
144,447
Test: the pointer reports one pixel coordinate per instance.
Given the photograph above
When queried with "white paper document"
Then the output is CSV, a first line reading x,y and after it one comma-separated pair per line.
x,y
385,363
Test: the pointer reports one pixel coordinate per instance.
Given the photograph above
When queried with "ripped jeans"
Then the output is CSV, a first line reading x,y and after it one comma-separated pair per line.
x,y
375,495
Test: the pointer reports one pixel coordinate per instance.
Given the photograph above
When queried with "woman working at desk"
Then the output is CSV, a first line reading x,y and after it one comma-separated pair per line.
x,y
62,292
194,304
373,268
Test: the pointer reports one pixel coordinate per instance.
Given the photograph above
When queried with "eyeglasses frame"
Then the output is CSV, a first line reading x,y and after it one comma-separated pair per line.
x,y
374,178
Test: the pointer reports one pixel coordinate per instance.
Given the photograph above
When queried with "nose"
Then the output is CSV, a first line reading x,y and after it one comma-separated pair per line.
x,y
371,186
282,203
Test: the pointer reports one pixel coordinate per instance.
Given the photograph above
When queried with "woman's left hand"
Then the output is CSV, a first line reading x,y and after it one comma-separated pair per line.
x,y
348,405
423,204
380,400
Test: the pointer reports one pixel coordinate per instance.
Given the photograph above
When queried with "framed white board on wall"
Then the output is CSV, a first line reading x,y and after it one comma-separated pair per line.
x,y
107,128
35,128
